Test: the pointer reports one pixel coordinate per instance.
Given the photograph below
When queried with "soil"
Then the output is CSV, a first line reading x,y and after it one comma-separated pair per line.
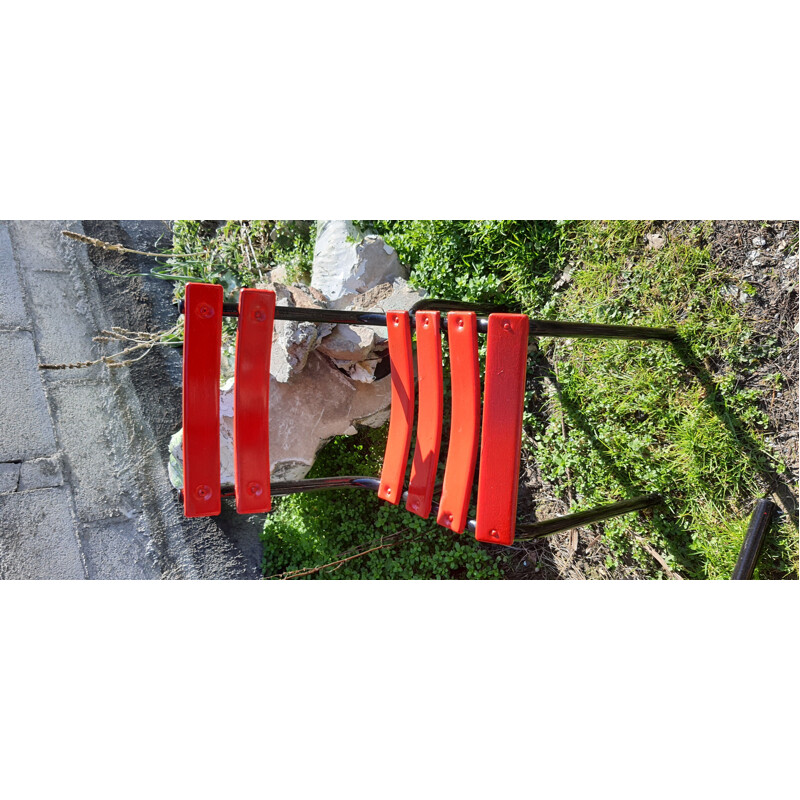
x,y
755,255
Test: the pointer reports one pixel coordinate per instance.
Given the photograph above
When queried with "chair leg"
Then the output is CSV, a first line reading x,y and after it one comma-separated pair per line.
x,y
585,330
535,530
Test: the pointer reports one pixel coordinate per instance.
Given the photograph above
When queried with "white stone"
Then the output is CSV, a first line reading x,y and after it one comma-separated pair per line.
x,y
304,413
347,262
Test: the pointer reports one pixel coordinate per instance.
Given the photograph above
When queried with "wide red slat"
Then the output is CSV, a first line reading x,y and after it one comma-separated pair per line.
x,y
201,364
401,416
251,401
429,420
462,452
504,391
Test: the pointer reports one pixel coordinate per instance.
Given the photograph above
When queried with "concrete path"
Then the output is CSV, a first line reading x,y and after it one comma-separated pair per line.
x,y
84,491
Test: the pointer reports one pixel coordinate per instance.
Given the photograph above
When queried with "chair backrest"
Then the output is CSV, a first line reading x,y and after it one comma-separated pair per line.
x,y
497,434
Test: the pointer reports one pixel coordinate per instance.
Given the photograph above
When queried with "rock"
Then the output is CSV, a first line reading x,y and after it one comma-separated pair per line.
x,y
293,341
395,296
735,293
316,405
759,241
347,262
655,241
350,343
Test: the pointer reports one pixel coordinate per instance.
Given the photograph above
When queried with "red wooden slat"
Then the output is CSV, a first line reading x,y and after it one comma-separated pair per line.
x,y
401,418
429,419
504,390
251,401
201,363
462,453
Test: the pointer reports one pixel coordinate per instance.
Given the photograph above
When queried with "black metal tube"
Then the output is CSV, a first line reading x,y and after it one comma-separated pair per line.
x,y
534,530
585,330
753,541
538,327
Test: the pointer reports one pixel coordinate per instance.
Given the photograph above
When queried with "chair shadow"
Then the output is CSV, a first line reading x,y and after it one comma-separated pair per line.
x,y
759,460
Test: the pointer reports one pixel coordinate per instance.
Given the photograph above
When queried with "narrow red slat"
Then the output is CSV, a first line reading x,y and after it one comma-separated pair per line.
x,y
429,420
251,401
462,452
504,391
201,364
401,417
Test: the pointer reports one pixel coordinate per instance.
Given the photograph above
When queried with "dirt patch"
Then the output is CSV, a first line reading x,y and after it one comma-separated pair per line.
x,y
759,265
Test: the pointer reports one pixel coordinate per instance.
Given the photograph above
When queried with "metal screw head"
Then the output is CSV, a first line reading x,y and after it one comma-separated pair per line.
x,y
203,491
460,322
507,326
396,320
494,534
448,519
259,315
255,489
204,311
388,490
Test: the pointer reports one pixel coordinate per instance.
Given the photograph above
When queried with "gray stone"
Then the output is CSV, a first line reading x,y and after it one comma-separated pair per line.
x,y
12,306
115,551
25,428
41,473
315,406
37,536
293,341
759,241
346,262
306,412
9,477
395,296
350,343
655,241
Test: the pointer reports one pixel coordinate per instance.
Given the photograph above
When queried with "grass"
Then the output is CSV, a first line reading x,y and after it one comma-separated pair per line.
x,y
638,416
615,419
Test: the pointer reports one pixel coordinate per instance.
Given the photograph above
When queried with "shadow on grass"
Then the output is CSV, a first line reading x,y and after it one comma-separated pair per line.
x,y
675,537
760,461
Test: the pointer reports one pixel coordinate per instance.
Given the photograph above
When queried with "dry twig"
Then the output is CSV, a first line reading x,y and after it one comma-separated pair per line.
x,y
140,340
118,248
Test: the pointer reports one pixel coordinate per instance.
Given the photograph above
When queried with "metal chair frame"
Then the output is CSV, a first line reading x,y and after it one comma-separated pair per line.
x,y
497,492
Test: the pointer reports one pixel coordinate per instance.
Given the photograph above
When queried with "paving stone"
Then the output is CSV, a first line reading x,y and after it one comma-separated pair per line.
x,y
12,306
37,536
38,244
86,424
9,477
63,322
41,473
117,551
26,431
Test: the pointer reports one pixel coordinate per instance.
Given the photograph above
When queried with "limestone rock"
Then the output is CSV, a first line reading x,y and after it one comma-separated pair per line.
x,y
293,341
347,262
316,405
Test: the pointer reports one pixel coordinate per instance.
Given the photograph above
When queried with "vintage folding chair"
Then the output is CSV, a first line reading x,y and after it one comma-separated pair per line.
x,y
489,439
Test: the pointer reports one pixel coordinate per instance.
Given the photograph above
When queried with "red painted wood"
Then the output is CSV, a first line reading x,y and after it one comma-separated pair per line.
x,y
251,401
201,364
429,419
401,417
462,452
504,391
